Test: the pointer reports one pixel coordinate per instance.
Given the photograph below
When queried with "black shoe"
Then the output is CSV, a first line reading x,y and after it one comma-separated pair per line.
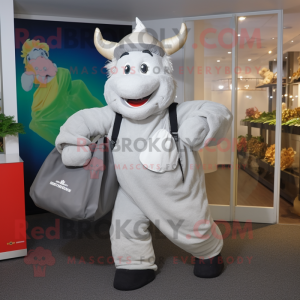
x,y
209,268
127,280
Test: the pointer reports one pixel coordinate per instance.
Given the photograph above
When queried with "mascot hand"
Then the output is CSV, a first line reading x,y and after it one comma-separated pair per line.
x,y
76,156
193,132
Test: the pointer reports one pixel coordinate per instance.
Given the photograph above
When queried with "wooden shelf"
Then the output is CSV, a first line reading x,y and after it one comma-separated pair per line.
x,y
271,84
295,81
265,85
284,128
286,176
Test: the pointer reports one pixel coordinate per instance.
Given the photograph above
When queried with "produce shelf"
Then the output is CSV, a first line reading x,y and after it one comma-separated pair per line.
x,y
284,128
288,176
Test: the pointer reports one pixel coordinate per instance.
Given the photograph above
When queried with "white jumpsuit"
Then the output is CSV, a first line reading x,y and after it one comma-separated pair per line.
x,y
179,209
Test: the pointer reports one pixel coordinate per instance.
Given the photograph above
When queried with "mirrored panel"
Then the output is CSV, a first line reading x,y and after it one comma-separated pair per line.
x,y
256,103
207,76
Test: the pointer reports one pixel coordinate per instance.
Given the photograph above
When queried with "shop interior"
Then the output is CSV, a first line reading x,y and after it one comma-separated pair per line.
x,y
207,74
256,73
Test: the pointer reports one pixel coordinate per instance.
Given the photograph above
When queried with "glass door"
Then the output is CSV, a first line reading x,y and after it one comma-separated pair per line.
x,y
233,60
208,76
258,79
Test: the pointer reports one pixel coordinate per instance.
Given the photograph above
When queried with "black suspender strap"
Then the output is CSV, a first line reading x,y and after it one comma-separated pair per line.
x,y
174,130
116,130
173,121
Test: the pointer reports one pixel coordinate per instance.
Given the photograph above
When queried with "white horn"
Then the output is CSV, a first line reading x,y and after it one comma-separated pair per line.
x,y
139,26
173,44
104,47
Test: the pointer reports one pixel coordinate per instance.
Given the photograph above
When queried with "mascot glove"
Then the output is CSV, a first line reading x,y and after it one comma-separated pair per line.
x,y
76,156
193,132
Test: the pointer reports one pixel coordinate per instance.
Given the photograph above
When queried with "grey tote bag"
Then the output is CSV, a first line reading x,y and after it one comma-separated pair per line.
x,y
77,193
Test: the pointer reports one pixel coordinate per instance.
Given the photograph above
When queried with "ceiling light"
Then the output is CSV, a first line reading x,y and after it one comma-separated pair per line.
x,y
249,59
242,18
292,41
286,58
221,87
271,97
239,35
273,38
241,77
290,77
285,95
218,60
270,52
292,99
229,52
274,59
291,96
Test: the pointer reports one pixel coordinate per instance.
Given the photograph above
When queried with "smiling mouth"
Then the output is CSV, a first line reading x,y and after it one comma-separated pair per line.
x,y
137,102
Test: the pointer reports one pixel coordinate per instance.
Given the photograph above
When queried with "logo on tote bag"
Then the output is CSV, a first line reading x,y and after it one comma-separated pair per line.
x,y
61,185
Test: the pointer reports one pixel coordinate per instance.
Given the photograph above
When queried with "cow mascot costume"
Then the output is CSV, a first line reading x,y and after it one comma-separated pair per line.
x,y
158,167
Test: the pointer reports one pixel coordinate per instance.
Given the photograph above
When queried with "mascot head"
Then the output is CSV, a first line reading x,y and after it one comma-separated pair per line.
x,y
33,49
140,83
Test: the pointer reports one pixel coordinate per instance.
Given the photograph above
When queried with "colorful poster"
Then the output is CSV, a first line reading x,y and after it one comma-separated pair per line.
x,y
59,72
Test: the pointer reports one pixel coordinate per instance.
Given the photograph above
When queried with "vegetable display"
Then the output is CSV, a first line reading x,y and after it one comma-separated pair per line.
x,y
290,117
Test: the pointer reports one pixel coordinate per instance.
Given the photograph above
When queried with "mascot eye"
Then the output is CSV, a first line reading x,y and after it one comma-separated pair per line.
x,y
144,68
127,69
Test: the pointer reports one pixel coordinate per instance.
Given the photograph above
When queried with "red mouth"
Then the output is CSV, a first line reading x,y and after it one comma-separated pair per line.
x,y
137,102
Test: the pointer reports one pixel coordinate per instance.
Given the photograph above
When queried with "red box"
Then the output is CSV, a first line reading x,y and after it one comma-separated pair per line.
x,y
12,208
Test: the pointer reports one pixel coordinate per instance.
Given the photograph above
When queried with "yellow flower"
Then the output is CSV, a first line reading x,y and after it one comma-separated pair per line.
x,y
287,157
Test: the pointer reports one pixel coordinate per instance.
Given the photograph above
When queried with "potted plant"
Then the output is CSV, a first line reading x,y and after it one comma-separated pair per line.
x,y
8,126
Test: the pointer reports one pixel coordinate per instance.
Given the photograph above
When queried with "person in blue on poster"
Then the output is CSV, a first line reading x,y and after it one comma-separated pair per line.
x,y
57,97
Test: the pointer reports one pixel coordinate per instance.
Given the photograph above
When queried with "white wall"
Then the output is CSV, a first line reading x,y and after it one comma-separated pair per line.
x,y
162,29
9,93
1,108
189,62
